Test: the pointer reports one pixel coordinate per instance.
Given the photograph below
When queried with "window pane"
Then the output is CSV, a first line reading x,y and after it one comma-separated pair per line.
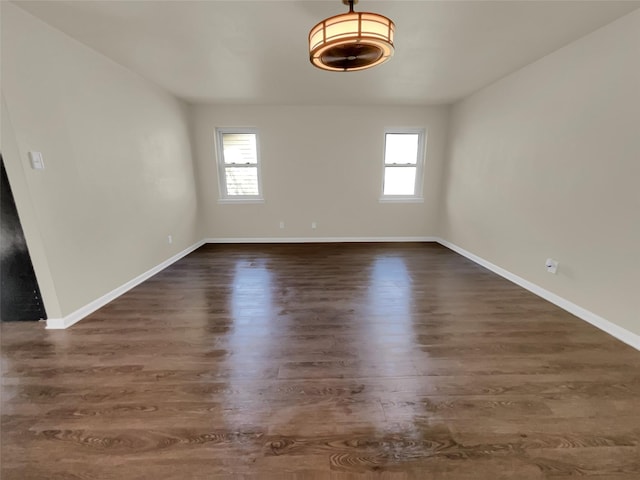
x,y
242,180
239,148
401,148
399,180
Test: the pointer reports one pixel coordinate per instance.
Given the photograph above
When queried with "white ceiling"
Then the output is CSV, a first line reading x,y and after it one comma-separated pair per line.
x,y
255,52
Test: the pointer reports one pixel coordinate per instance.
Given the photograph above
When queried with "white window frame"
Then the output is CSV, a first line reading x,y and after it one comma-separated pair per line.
x,y
419,165
222,174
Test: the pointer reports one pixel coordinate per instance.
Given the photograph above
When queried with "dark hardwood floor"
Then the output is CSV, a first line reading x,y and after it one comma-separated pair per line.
x,y
321,361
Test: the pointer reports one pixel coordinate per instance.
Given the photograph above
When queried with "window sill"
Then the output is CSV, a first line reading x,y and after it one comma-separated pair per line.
x,y
401,200
240,200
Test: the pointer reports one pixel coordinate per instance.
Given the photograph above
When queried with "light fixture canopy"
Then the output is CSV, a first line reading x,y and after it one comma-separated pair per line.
x,y
351,41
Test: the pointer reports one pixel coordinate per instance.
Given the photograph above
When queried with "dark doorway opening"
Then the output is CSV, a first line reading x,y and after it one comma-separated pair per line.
x,y
20,298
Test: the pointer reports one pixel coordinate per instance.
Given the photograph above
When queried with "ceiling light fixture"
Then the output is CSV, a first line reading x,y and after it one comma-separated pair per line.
x,y
351,41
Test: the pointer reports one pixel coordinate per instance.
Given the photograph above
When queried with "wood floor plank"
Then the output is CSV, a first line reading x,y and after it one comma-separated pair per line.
x,y
320,361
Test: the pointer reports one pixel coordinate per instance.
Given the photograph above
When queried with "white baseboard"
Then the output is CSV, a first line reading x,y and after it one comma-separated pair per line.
x,y
612,329
75,317
319,239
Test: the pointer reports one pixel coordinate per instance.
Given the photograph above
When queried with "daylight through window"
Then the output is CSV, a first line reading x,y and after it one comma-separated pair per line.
x,y
238,163
403,157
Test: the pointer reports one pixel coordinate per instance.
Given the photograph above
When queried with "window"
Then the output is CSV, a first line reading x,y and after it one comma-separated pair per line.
x,y
403,159
238,164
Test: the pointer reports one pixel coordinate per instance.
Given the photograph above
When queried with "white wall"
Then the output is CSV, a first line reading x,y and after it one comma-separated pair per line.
x,y
322,164
119,173
546,163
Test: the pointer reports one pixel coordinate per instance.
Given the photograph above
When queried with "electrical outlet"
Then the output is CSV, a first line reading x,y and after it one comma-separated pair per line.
x,y
552,265
169,239
314,225
281,224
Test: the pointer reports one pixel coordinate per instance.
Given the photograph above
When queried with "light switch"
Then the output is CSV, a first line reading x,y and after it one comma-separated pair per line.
x,y
37,162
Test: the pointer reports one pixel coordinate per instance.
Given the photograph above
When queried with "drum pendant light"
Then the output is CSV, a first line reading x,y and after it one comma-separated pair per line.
x,y
351,41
